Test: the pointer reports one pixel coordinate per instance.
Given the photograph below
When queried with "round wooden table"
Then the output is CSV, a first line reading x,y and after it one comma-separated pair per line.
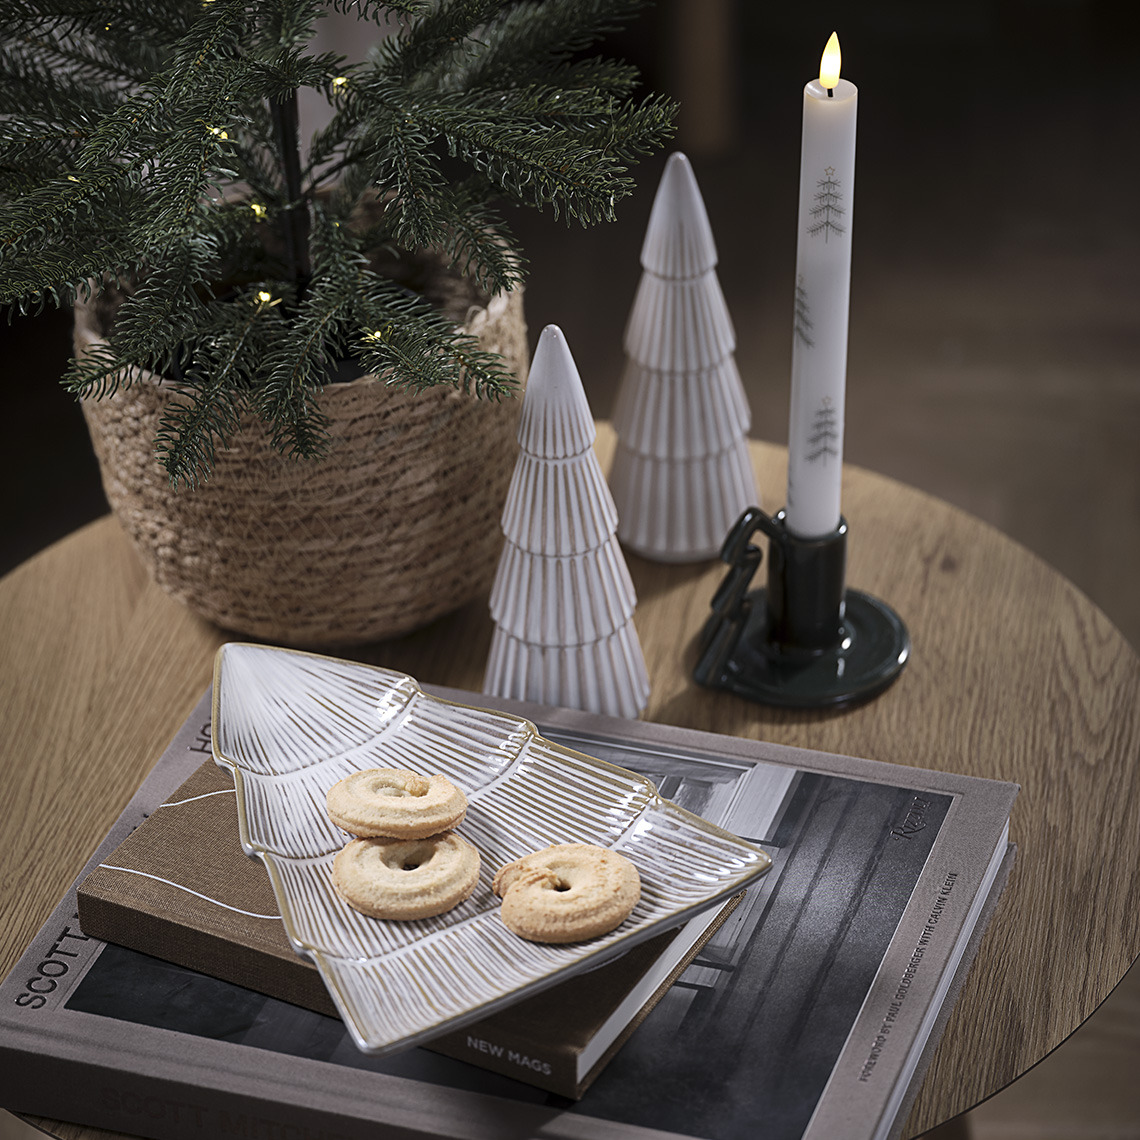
x,y
1013,674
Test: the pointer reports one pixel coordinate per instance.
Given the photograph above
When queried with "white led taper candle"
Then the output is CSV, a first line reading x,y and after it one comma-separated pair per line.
x,y
822,295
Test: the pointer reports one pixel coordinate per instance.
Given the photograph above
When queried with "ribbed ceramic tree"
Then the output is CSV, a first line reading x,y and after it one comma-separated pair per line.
x,y
562,599
682,474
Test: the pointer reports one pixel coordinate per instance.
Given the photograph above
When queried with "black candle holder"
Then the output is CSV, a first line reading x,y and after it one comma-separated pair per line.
x,y
806,641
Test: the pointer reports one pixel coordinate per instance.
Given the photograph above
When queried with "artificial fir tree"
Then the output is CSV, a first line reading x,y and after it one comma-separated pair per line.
x,y
151,147
562,600
681,473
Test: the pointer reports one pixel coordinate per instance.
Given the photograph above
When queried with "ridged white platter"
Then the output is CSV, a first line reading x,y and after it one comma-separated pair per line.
x,y
288,725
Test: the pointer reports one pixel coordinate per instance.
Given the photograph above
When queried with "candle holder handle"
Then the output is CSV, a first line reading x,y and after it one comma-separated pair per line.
x,y
805,641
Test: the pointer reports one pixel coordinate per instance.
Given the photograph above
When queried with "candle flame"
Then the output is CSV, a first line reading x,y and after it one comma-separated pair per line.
x,y
829,64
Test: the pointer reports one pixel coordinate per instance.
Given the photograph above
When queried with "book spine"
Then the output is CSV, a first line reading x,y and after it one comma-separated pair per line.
x,y
163,1109
293,979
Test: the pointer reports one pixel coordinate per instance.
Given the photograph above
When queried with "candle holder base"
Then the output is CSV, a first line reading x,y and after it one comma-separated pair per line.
x,y
806,641
870,656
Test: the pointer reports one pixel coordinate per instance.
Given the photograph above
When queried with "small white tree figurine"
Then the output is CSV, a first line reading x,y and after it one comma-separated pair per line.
x,y
562,601
682,473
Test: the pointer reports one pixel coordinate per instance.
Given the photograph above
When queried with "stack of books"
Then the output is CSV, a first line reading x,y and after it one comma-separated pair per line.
x,y
163,999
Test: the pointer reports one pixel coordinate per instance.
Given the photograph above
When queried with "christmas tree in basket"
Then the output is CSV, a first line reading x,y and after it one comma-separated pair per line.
x,y
682,473
251,292
562,600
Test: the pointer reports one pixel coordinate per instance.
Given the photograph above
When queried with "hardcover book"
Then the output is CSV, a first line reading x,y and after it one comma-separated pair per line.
x,y
813,1007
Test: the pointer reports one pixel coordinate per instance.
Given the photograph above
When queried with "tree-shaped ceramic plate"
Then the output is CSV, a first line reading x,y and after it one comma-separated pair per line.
x,y
288,725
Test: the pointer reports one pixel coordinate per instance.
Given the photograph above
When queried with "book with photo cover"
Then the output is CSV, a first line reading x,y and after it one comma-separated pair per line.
x,y
814,1007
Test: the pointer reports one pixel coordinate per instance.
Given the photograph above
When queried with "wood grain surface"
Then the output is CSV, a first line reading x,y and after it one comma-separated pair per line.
x,y
1013,674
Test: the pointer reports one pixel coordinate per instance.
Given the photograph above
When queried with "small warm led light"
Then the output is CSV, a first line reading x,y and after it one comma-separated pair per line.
x,y
340,81
258,209
219,132
829,64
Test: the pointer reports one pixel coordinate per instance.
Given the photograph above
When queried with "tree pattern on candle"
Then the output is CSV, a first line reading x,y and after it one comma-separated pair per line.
x,y
803,324
827,210
824,434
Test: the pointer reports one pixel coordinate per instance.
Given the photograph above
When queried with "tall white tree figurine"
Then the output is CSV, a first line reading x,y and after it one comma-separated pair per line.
x,y
682,473
562,600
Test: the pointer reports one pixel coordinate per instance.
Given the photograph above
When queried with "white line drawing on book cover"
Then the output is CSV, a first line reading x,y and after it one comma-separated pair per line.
x,y
179,886
203,796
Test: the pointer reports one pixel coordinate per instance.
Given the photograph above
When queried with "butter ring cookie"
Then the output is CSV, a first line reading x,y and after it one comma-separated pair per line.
x,y
406,879
567,893
395,803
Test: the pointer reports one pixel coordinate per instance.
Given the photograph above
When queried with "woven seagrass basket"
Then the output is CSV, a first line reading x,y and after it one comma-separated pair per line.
x,y
397,526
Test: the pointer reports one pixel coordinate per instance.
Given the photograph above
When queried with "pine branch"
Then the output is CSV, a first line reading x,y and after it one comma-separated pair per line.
x,y
290,24
31,88
155,326
615,79
618,128
216,389
189,433
540,165
408,344
477,241
31,153
432,41
159,21
414,183
528,39
91,63
378,11
154,146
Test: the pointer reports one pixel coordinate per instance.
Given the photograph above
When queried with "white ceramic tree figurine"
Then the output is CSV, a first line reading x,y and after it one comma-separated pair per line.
x,y
682,474
562,601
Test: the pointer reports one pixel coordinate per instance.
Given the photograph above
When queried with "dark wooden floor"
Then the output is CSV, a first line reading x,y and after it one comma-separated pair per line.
x,y
995,326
